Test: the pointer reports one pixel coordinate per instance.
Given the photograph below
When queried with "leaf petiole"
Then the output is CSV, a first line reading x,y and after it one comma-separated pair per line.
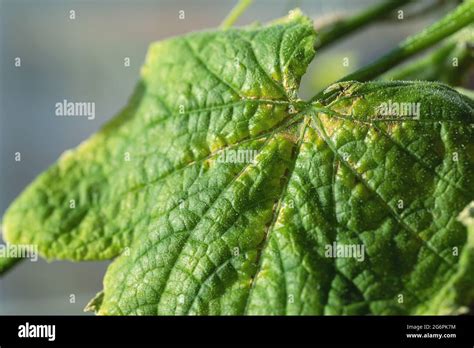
x,y
235,13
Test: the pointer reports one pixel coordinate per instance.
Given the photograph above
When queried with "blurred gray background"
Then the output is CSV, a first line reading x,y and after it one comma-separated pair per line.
x,y
82,60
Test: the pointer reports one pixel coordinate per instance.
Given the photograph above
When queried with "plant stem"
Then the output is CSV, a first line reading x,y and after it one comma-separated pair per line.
x,y
460,17
467,92
341,28
439,64
451,23
426,68
235,13
8,262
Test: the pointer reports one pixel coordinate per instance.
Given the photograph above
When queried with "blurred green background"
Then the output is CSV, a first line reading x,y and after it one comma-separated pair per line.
x,y
82,60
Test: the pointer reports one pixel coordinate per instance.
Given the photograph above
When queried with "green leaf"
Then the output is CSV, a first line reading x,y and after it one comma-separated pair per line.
x,y
218,191
7,261
463,281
